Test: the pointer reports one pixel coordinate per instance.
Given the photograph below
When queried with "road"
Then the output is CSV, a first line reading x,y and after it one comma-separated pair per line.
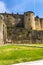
x,y
39,62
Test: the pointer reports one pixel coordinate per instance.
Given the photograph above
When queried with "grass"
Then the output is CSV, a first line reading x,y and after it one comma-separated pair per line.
x,y
11,54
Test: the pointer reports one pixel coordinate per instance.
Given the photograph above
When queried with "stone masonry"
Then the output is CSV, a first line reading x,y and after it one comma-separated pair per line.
x,y
21,27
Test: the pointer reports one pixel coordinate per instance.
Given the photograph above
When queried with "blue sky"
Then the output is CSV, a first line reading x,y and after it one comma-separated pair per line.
x,y
22,6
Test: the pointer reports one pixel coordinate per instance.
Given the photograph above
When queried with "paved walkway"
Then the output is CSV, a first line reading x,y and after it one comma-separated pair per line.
x,y
39,62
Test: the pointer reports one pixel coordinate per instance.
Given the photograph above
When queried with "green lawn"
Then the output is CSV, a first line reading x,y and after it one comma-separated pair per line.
x,y
10,54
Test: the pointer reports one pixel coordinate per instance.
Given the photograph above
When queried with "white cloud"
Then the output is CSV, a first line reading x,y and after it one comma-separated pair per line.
x,y
3,7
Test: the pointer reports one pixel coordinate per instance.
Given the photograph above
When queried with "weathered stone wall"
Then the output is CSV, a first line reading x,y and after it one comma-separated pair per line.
x,y
3,30
21,28
41,22
37,23
31,37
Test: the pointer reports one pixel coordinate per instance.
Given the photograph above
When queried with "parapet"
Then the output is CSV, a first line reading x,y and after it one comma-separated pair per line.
x,y
29,12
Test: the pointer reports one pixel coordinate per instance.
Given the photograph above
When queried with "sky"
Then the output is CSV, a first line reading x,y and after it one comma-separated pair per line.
x,y
21,6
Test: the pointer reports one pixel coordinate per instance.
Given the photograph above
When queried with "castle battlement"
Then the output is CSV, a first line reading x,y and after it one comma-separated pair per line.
x,y
28,19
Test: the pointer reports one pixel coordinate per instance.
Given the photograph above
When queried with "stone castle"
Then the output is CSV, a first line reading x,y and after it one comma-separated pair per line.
x,y
26,28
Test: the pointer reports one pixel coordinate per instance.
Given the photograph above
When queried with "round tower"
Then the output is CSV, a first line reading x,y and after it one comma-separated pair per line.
x,y
29,20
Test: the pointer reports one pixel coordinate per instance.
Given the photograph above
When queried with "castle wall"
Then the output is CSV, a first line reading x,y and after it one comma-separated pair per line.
x,y
13,20
14,32
10,20
37,23
29,20
3,31
41,22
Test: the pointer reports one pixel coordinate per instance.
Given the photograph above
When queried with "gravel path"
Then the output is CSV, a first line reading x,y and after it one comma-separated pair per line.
x,y
39,62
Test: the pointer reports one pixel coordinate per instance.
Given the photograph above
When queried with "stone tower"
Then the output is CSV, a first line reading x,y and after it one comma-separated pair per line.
x,y
29,20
